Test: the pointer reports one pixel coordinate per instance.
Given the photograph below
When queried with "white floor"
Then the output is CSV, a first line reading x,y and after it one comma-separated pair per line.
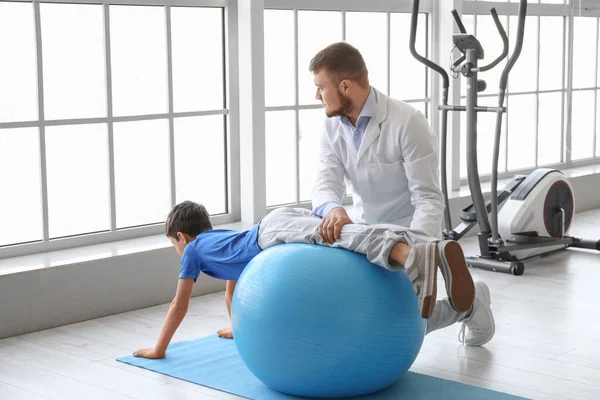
x,y
547,344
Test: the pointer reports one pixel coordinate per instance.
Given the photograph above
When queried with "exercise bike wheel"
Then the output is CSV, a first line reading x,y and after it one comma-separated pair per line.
x,y
517,268
559,197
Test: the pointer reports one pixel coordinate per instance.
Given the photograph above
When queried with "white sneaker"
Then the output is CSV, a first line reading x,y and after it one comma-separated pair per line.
x,y
421,267
479,326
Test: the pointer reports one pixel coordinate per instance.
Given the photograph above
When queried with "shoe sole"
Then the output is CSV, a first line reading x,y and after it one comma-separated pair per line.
x,y
459,283
430,284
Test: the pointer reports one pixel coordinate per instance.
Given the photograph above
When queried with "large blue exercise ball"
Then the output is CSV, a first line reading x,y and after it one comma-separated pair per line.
x,y
317,321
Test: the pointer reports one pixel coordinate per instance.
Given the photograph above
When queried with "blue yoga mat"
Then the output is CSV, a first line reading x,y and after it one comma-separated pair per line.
x,y
215,363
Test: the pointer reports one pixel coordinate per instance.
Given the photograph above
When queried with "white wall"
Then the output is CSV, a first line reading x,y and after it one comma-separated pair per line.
x,y
46,298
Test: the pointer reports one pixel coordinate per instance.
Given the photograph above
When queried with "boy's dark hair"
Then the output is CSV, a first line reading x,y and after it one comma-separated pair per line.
x,y
187,217
342,61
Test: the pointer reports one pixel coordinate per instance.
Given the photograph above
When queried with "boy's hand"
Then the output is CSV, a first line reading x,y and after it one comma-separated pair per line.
x,y
225,333
149,353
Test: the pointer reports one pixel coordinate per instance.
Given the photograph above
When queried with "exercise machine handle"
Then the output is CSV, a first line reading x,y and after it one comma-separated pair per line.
x,y
502,86
459,23
502,33
413,50
444,123
518,46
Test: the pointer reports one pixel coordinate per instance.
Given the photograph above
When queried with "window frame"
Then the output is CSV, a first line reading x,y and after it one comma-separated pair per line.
x,y
569,11
229,113
343,6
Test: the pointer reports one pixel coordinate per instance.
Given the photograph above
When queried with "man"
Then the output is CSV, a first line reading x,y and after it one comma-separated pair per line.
x,y
384,151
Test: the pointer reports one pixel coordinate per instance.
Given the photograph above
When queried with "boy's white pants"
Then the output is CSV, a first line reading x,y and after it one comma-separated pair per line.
x,y
299,225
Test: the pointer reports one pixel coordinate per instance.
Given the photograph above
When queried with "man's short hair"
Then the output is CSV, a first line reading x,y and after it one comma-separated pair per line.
x,y
342,61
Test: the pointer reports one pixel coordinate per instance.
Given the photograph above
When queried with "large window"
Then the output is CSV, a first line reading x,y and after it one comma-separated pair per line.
x,y
551,119
113,111
109,114
294,117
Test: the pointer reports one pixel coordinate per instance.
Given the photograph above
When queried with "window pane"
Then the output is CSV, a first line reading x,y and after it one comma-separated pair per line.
x,y
21,200
523,76
200,170
551,53
74,64
486,129
142,172
408,78
550,128
280,81
490,40
139,60
311,41
18,69
469,23
582,125
521,131
77,179
280,138
311,128
584,52
197,51
372,43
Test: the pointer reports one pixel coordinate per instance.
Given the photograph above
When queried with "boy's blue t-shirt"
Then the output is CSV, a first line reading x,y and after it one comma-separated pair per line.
x,y
220,253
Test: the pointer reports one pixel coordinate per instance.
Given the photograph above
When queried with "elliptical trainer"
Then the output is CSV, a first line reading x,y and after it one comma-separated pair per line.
x,y
537,209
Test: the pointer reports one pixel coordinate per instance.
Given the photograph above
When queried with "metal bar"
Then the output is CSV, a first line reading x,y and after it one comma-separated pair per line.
x,y
110,121
182,3
472,162
519,245
530,92
173,178
42,129
225,127
232,80
297,103
505,8
388,60
537,88
596,91
569,76
488,264
319,106
507,100
343,16
477,108
427,71
565,93
347,5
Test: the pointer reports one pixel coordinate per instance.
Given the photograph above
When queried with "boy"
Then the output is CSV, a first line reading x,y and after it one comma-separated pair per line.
x,y
223,254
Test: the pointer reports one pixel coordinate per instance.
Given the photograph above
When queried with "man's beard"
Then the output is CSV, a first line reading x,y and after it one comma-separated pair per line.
x,y
344,108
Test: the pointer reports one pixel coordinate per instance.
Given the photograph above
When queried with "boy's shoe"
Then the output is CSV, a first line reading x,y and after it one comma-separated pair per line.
x,y
479,325
421,267
459,283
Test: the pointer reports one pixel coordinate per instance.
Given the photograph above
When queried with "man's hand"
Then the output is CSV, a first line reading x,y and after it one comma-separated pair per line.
x,y
148,353
331,225
225,333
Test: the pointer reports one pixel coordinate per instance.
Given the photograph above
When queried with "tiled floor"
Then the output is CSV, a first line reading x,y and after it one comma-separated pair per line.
x,y
547,344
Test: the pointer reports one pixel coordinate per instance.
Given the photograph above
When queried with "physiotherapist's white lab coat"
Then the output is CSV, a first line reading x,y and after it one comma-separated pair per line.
x,y
393,177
